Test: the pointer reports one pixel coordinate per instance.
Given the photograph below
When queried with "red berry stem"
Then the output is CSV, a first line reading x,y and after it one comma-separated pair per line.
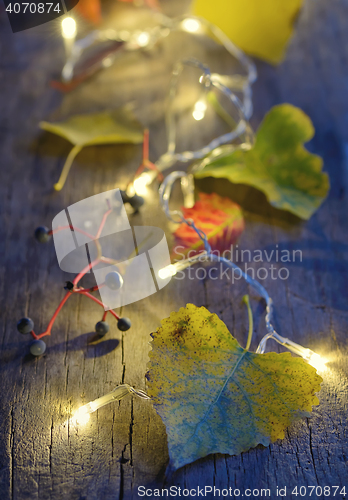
x,y
81,290
146,163
85,270
53,319
102,224
60,228
99,302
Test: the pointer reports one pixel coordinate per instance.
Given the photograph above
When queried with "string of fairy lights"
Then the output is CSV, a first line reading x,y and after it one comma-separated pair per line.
x,y
240,136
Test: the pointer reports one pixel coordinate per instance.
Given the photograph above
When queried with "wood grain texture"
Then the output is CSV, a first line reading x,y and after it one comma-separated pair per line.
x,y
124,444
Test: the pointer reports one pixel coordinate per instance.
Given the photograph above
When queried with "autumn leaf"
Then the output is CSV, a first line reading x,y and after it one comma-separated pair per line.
x,y
90,10
98,128
152,4
261,29
216,397
113,127
220,218
278,164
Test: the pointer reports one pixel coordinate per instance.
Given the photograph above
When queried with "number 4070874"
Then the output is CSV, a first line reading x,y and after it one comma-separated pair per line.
x,y
32,8
319,491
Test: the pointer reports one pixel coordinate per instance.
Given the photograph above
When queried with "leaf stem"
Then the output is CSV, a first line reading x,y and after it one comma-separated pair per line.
x,y
251,321
66,168
221,111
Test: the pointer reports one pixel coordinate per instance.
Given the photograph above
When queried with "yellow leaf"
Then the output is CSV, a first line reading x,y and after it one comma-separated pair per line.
x,y
261,28
216,397
119,126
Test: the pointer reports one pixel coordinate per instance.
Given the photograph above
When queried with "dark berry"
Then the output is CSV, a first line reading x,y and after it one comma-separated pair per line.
x,y
125,197
136,202
114,280
102,328
25,325
69,286
124,324
37,347
42,234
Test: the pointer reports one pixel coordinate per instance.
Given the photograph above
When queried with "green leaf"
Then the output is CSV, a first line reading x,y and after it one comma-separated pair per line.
x,y
278,164
118,126
216,397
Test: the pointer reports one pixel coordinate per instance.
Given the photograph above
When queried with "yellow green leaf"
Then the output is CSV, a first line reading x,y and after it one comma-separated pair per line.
x,y
260,28
119,126
98,128
278,164
216,397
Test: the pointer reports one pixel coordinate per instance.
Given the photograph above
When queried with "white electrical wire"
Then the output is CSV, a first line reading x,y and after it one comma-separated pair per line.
x,y
208,255
242,131
238,82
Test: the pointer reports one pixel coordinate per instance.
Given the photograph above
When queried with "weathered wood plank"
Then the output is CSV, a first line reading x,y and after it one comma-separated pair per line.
x,y
124,445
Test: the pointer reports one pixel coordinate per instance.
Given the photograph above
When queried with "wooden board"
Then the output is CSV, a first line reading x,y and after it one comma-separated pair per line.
x,y
124,444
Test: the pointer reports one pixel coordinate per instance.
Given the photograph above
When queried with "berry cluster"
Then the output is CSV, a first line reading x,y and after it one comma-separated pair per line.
x,y
113,280
135,201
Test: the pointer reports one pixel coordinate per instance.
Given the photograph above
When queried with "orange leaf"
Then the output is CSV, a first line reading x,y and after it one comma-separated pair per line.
x,y
153,4
90,10
220,218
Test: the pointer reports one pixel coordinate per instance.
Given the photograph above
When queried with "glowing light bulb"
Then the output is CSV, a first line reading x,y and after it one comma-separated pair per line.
x,y
82,416
68,28
199,110
107,62
130,190
143,39
191,25
166,272
140,183
317,361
